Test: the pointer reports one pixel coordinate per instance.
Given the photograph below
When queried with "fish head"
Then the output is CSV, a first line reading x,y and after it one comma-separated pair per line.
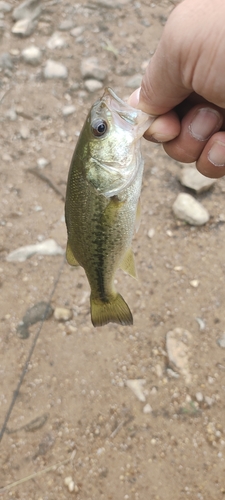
x,y
113,131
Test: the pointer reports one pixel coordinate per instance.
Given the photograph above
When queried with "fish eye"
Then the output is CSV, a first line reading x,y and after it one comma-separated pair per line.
x,y
99,127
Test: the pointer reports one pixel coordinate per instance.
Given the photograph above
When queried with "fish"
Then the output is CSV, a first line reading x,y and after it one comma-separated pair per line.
x,y
102,202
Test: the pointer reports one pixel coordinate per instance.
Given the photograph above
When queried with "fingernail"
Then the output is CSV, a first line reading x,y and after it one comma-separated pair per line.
x,y
205,122
216,155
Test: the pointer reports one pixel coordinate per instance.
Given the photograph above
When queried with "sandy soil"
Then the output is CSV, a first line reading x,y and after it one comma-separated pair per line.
x,y
75,385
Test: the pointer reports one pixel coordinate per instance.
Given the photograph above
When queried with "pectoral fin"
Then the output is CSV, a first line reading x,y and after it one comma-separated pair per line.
x,y
128,263
70,257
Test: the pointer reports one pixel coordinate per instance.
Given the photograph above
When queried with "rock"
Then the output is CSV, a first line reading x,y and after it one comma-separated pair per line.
x,y
134,82
90,69
62,314
199,397
135,385
93,85
6,61
188,209
68,110
56,41
109,4
30,9
24,132
11,114
77,31
178,348
194,283
147,409
47,247
66,25
24,27
191,178
55,69
32,55
42,162
221,341
151,232
5,7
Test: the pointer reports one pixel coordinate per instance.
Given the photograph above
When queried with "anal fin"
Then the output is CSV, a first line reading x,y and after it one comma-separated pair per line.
x,y
70,256
128,264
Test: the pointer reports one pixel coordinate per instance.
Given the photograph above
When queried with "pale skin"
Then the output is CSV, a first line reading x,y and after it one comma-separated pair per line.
x,y
184,86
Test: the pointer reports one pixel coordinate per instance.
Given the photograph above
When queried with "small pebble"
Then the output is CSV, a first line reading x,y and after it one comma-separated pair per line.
x,y
5,7
75,32
55,69
194,283
178,342
147,409
190,177
93,85
188,209
66,25
221,341
29,9
56,41
151,233
32,55
62,314
42,162
136,387
199,397
68,110
24,27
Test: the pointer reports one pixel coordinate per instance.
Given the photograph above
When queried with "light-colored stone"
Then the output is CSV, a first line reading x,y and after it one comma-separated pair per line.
x,y
56,41
147,409
75,32
5,7
62,314
189,210
24,27
191,178
221,341
178,342
68,110
42,162
32,55
93,85
66,25
90,69
55,69
47,247
6,61
136,385
30,9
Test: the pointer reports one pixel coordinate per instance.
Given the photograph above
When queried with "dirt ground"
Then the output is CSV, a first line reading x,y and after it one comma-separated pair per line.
x,y
75,387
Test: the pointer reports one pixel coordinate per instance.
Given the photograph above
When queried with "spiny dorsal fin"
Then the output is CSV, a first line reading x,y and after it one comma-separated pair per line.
x,y
128,263
115,310
70,256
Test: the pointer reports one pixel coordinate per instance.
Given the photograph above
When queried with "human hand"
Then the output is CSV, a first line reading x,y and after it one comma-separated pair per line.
x,y
184,86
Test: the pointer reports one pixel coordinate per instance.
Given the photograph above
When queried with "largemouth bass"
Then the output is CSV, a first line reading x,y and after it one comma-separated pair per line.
x,y
103,191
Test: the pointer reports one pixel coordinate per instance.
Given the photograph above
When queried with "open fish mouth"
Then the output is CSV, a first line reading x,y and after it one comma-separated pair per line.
x,y
125,115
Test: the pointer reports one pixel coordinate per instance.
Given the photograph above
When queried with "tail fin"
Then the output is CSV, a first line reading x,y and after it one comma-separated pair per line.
x,y
115,310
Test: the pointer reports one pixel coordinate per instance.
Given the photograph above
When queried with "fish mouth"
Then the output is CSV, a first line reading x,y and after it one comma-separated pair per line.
x,y
133,119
